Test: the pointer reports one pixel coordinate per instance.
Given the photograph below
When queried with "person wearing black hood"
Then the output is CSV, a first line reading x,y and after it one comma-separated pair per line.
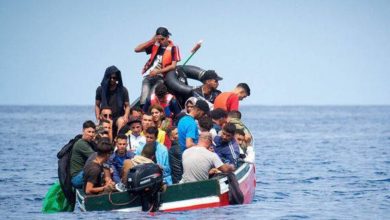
x,y
112,93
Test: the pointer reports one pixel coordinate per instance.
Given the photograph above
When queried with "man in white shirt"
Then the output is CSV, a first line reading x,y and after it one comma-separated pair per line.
x,y
134,135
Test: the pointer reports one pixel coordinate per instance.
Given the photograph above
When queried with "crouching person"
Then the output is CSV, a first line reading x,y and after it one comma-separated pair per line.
x,y
199,162
93,169
119,156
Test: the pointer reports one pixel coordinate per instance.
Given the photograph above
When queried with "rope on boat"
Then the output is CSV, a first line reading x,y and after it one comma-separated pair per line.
x,y
125,203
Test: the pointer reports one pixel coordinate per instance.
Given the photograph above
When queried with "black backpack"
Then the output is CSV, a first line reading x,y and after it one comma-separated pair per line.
x,y
64,176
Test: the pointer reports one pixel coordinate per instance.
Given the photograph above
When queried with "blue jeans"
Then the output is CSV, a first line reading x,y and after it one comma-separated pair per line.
x,y
78,180
148,86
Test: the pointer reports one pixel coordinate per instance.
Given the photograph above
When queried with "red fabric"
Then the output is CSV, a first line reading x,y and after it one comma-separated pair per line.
x,y
232,103
227,101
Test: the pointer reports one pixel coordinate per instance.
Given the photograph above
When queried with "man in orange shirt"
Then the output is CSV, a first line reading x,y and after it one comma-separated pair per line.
x,y
229,100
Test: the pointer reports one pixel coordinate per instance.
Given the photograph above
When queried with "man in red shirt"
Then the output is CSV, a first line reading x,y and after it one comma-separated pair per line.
x,y
229,101
163,58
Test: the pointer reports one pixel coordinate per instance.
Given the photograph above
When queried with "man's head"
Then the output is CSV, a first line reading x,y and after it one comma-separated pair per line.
x,y
161,90
151,134
162,36
173,133
240,136
219,116
106,124
89,130
234,114
228,132
105,113
205,139
210,79
147,121
242,90
149,151
135,126
200,108
136,112
121,144
104,148
205,123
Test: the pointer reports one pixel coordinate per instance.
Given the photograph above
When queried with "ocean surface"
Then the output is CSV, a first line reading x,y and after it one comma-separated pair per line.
x,y
328,162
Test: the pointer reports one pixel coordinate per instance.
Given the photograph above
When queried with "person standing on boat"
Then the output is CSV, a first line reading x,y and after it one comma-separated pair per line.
x,y
117,158
151,134
226,145
112,93
82,149
163,58
188,128
93,169
208,91
230,100
199,162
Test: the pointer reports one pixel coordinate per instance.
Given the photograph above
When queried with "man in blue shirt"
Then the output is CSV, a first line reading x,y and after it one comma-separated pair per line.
x,y
188,128
117,158
226,145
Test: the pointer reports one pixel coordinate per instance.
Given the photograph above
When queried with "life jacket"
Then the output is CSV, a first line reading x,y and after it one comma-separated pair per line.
x,y
221,100
165,104
166,57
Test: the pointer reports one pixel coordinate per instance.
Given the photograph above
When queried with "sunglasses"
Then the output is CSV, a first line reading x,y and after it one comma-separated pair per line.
x,y
113,77
107,115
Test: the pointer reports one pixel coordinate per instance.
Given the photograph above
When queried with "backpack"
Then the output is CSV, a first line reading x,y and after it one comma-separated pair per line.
x,y
64,176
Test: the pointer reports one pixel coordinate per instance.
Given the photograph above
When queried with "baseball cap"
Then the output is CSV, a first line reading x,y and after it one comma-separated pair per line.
x,y
163,31
210,74
202,105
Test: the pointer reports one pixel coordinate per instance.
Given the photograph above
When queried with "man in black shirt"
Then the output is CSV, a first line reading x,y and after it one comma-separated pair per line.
x,y
208,91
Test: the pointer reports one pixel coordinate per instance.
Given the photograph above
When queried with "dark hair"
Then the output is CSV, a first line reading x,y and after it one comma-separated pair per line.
x,y
121,136
89,124
234,114
240,132
160,90
158,107
135,108
105,107
206,123
230,128
152,130
245,87
218,113
169,130
104,146
104,121
149,150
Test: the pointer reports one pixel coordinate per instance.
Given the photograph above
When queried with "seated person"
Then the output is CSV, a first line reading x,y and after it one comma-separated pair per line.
x,y
151,134
245,149
106,125
82,149
199,162
117,158
234,117
136,112
208,91
159,118
166,100
174,153
219,117
147,121
136,139
93,169
147,156
226,146
188,106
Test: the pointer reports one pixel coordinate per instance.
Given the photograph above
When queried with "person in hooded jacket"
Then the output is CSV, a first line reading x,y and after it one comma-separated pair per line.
x,y
113,94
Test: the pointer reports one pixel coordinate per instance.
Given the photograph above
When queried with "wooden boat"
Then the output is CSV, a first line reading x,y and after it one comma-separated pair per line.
x,y
178,197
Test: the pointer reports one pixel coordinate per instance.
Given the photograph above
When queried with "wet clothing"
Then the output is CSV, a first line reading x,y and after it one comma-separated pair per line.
x,y
197,162
227,101
115,99
187,128
175,162
228,152
80,153
210,98
93,172
116,163
162,159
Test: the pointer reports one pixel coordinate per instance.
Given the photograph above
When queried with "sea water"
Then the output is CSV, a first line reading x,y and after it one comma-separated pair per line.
x,y
328,162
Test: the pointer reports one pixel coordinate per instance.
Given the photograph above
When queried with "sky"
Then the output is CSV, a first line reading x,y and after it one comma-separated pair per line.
x,y
289,52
